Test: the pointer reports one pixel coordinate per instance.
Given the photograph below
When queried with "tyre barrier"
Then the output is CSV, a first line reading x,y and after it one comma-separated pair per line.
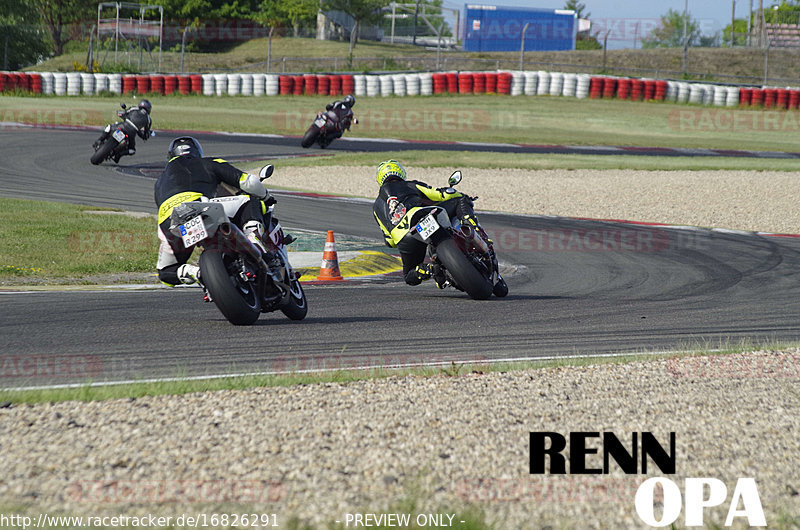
x,y
479,83
543,85
794,99
299,85
309,85
87,84
570,85
47,82
323,85
504,80
623,88
386,85
426,84
348,84
246,86
556,84
399,82
335,85
373,86
409,84
439,83
452,82
610,88
531,83
413,84
73,84
596,86
517,83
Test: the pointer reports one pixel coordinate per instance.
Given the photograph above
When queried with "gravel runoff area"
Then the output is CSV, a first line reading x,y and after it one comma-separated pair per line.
x,y
744,200
418,445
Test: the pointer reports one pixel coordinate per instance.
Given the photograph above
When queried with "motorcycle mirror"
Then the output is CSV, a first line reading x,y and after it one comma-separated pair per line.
x,y
266,171
455,178
123,105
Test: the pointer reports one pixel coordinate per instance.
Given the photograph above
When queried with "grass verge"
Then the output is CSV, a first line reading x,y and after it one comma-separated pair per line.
x,y
46,241
346,374
473,118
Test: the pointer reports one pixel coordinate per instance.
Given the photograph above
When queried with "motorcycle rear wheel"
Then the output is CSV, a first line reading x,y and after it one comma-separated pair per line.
x,y
103,152
463,271
310,136
297,306
236,299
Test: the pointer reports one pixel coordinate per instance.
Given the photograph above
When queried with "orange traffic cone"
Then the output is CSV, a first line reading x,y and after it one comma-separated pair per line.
x,y
329,270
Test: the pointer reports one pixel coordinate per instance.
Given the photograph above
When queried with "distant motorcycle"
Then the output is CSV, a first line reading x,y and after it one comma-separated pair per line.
x,y
328,126
118,142
234,274
462,253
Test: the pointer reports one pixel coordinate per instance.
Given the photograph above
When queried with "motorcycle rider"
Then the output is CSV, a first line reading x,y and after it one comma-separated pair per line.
x,y
189,176
396,197
342,112
139,118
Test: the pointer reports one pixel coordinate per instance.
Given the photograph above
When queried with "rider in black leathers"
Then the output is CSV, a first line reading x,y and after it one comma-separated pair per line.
x,y
135,118
342,112
188,177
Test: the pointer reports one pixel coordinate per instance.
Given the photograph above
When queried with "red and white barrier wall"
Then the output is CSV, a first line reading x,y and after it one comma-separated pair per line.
x,y
514,83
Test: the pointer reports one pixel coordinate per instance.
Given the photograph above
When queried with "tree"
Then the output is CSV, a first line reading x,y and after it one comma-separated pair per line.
x,y
739,33
362,11
22,37
57,14
670,33
578,7
584,40
296,12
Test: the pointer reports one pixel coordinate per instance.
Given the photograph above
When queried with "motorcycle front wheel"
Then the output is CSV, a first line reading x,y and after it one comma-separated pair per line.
x,y
103,151
310,136
236,299
297,306
463,271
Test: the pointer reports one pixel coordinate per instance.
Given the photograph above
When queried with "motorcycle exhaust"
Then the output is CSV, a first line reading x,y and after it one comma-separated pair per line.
x,y
474,239
241,242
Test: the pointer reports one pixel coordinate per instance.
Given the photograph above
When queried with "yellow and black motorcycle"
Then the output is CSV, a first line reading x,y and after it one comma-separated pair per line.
x,y
462,253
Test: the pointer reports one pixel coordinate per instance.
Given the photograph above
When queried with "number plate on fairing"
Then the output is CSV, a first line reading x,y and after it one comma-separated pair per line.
x,y
193,231
118,135
319,122
427,226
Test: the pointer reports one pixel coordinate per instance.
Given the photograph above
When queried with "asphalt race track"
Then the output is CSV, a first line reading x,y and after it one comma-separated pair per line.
x,y
576,287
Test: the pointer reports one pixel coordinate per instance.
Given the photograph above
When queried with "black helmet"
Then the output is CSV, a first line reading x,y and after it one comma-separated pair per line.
x,y
144,104
349,101
185,146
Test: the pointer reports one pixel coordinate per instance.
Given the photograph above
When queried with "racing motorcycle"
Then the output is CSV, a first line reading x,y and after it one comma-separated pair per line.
x,y
234,274
327,127
117,143
462,253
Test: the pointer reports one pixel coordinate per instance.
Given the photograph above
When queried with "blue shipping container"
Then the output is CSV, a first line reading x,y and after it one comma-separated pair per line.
x,y
499,29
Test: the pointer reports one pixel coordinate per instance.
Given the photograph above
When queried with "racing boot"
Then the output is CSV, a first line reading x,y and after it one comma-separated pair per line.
x,y
254,230
189,274
419,274
439,277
